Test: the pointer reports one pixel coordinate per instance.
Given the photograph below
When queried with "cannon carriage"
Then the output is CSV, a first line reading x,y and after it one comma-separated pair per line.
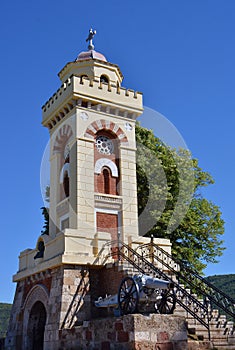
x,y
137,292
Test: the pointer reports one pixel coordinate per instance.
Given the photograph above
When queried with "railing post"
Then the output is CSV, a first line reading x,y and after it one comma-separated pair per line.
x,y
151,250
208,308
130,246
95,245
119,236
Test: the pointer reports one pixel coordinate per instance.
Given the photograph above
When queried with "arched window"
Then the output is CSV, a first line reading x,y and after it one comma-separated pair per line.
x,y
64,180
104,79
66,183
106,159
106,176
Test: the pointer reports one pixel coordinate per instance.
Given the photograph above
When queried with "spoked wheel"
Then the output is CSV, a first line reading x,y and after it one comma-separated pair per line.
x,y
167,303
128,296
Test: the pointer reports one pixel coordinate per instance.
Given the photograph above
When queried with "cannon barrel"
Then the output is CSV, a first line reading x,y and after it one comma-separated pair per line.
x,y
155,283
141,288
108,301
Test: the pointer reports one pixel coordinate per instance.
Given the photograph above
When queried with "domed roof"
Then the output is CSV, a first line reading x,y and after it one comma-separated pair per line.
x,y
91,54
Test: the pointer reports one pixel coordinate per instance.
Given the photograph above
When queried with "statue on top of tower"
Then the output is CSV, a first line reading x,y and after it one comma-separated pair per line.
x,y
90,38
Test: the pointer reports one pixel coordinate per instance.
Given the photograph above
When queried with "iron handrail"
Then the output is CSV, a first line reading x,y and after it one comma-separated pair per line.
x,y
194,280
144,266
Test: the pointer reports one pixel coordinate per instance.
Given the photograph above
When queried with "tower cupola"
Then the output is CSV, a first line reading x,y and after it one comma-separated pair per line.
x,y
92,65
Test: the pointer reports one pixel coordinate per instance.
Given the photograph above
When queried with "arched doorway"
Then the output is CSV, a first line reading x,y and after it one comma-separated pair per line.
x,y
36,326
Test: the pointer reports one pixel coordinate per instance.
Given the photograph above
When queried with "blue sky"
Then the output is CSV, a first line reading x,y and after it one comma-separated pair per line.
x,y
180,54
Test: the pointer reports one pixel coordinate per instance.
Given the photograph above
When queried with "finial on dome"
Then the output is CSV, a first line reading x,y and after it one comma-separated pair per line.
x,y
91,53
90,38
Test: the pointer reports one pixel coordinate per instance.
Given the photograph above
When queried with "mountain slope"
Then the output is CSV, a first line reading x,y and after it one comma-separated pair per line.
x,y
5,311
226,283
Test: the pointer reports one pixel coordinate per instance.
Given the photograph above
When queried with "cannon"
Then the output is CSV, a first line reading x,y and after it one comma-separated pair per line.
x,y
141,290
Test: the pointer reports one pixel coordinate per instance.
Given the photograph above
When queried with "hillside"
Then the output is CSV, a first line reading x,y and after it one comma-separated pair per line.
x,y
5,310
224,282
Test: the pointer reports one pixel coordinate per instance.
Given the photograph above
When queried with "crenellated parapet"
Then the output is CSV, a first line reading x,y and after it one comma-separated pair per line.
x,y
91,94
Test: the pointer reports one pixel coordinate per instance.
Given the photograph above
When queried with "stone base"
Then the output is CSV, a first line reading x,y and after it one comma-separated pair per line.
x,y
162,332
55,299
200,345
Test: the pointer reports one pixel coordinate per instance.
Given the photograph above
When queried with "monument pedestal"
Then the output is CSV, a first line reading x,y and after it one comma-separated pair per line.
x,y
136,331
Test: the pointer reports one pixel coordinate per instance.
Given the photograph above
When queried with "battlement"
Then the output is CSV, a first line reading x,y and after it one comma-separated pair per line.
x,y
91,94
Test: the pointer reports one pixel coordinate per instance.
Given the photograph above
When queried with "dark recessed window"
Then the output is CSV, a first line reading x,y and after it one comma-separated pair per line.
x,y
66,184
106,181
104,79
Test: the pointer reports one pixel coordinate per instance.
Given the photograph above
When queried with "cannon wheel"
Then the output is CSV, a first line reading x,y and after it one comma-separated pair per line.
x,y
128,296
167,302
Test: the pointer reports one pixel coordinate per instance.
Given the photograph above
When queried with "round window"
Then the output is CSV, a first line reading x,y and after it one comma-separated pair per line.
x,y
104,145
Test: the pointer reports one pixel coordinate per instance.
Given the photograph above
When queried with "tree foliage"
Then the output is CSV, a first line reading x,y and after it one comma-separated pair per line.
x,y
45,212
5,312
170,202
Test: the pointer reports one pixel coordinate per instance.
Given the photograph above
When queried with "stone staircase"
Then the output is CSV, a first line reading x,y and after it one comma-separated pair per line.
x,y
220,327
221,334
212,329
221,331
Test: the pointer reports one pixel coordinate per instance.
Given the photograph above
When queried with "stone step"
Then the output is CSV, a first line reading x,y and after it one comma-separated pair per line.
x,y
199,345
221,330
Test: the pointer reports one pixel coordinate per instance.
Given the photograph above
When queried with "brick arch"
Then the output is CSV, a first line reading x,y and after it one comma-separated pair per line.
x,y
37,293
62,137
107,125
102,162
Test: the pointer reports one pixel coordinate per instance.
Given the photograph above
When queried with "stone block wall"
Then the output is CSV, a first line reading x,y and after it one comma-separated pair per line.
x,y
161,332
68,294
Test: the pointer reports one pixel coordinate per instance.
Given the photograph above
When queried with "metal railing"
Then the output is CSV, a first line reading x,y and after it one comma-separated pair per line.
x,y
191,279
146,259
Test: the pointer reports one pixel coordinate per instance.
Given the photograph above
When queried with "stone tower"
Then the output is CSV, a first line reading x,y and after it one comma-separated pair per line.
x,y
93,200
91,120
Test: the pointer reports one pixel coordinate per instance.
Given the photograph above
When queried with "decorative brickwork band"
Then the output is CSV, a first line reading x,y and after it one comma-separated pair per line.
x,y
102,124
63,135
102,162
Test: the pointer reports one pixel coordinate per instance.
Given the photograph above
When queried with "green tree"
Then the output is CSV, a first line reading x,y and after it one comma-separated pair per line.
x,y
5,312
45,212
171,205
